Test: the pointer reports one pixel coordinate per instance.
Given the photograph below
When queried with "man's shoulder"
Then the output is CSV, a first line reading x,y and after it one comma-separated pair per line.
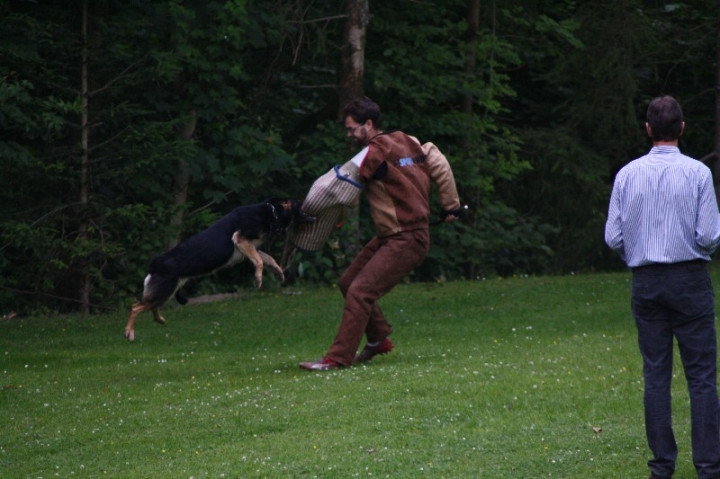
x,y
397,142
689,163
391,136
693,162
680,168
678,159
633,165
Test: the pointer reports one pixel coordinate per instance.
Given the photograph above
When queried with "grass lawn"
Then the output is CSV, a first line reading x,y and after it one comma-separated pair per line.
x,y
514,378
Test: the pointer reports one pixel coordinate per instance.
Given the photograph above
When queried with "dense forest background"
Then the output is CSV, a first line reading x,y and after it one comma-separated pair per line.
x,y
126,126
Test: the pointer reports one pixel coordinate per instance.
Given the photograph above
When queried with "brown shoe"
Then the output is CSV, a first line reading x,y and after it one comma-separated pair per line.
x,y
369,352
323,364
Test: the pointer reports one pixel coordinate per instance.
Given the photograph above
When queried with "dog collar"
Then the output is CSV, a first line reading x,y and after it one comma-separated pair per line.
x,y
275,217
273,210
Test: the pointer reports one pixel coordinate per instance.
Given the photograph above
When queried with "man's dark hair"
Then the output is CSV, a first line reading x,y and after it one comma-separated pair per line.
x,y
363,109
664,115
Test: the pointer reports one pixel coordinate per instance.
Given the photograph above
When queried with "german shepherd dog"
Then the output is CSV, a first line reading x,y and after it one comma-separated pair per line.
x,y
230,240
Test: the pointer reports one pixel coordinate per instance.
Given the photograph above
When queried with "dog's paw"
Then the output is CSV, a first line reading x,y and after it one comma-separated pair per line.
x,y
130,335
258,283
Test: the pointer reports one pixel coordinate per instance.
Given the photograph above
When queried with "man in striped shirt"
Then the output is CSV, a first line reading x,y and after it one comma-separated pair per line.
x,y
663,221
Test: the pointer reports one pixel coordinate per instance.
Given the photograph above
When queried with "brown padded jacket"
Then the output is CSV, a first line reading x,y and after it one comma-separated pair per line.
x,y
397,172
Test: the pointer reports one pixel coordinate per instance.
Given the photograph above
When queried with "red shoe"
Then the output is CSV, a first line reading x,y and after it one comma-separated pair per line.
x,y
323,364
369,352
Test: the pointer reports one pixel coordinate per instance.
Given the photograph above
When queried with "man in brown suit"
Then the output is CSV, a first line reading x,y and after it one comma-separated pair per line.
x,y
396,172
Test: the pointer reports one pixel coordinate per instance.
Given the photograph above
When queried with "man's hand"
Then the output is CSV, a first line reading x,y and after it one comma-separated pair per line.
x,y
452,215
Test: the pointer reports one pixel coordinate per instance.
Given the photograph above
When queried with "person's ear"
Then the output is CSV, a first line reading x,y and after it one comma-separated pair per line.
x,y
682,128
648,129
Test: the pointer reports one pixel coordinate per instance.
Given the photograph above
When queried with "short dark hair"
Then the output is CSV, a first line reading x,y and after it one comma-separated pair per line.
x,y
665,117
363,109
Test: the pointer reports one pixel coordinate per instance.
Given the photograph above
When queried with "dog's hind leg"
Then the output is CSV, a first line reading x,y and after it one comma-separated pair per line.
x,y
136,309
157,316
157,290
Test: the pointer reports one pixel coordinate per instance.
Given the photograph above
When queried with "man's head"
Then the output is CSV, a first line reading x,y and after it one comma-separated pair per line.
x,y
363,120
664,119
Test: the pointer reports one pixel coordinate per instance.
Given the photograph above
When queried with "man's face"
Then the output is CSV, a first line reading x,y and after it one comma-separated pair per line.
x,y
357,131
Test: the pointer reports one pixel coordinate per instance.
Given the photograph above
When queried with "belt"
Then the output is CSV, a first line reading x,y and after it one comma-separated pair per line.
x,y
682,265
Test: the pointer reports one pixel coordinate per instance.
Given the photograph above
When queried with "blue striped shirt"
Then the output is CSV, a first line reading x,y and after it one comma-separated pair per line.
x,y
663,210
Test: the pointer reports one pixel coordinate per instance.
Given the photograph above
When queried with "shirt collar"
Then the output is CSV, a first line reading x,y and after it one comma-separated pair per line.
x,y
664,149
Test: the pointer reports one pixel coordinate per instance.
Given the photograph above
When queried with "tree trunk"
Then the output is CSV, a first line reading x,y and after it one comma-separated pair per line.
x,y
471,38
353,51
84,193
181,182
351,87
466,102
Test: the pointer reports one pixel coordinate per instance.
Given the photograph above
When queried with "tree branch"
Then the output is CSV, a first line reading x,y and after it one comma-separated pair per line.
x,y
208,205
70,300
317,20
316,87
118,77
710,156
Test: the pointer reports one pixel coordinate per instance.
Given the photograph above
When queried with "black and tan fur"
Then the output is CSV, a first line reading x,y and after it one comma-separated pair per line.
x,y
232,239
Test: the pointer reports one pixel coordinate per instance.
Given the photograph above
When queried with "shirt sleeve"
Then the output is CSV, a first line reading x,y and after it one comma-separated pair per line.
x,y
613,229
707,230
442,175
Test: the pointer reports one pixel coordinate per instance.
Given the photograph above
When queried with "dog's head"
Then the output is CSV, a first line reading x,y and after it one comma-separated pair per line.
x,y
289,212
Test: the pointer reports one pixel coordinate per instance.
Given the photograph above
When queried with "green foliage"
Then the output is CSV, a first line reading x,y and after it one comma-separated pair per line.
x,y
419,78
153,68
588,72
242,94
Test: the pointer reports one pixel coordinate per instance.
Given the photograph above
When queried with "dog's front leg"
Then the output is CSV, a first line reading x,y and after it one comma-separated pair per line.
x,y
246,247
270,261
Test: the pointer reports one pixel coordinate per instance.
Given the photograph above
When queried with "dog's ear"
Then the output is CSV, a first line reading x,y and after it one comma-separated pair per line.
x,y
283,204
275,201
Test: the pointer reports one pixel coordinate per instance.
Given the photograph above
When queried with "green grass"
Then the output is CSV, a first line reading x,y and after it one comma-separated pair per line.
x,y
526,377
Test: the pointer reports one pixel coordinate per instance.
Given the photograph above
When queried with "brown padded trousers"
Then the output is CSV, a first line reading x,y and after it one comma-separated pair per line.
x,y
381,265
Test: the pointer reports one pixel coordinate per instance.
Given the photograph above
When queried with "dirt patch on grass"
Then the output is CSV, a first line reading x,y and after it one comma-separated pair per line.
x,y
209,298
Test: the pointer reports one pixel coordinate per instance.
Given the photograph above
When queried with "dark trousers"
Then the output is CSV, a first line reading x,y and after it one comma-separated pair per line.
x,y
677,301
381,265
